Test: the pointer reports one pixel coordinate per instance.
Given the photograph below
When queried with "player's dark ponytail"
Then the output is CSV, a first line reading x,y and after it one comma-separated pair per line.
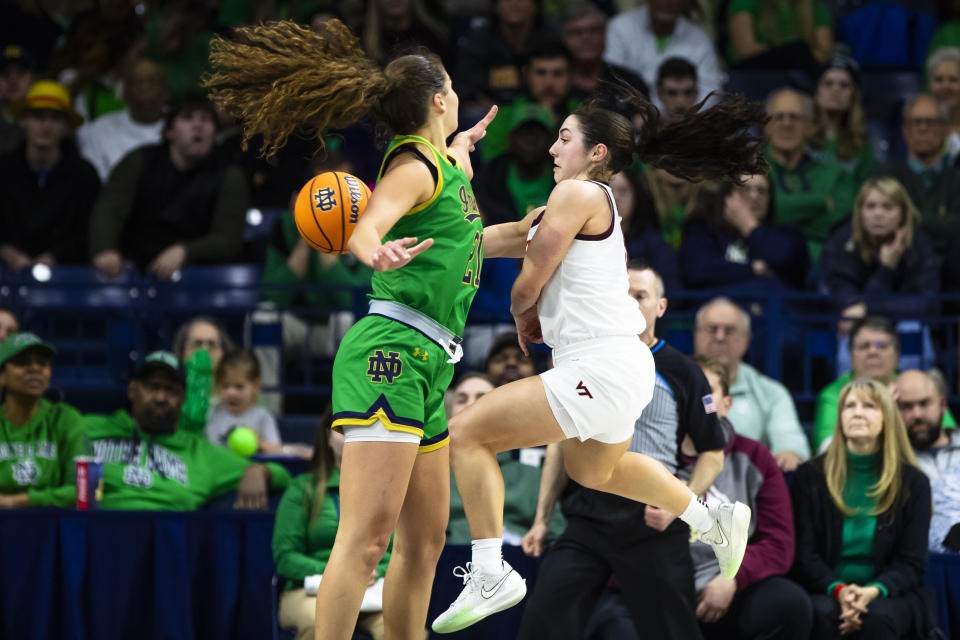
x,y
704,144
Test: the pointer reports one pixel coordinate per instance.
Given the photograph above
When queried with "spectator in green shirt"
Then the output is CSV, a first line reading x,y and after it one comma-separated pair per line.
x,y
839,126
813,193
307,520
927,172
779,34
513,184
150,464
38,439
874,351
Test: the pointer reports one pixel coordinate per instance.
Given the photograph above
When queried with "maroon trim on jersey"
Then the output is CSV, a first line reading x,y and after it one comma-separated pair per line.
x,y
537,220
613,218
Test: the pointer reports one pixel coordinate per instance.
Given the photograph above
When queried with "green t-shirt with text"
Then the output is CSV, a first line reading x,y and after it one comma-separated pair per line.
x,y
179,471
37,457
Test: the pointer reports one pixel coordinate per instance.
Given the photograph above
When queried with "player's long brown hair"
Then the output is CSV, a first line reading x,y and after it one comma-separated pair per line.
x,y
704,144
280,77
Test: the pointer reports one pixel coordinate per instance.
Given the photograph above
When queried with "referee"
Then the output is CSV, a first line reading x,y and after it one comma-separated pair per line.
x,y
644,548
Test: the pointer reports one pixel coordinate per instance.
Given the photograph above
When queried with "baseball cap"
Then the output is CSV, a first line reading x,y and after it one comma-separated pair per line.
x,y
501,342
47,94
531,113
19,342
160,361
15,54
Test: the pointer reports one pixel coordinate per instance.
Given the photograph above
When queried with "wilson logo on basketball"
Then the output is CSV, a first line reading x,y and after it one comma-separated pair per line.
x,y
583,391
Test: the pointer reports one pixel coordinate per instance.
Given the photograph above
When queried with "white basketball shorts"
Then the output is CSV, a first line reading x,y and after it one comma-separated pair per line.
x,y
598,387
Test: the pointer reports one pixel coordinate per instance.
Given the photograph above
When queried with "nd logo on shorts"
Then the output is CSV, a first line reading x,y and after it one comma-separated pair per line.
x,y
384,367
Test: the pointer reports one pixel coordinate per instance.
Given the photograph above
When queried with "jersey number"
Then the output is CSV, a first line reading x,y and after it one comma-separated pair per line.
x,y
475,262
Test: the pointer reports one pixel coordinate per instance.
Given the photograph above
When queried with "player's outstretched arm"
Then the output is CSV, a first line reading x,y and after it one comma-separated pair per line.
x,y
406,183
508,240
464,142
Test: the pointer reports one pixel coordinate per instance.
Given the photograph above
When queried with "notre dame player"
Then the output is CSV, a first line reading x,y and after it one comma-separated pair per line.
x,y
395,364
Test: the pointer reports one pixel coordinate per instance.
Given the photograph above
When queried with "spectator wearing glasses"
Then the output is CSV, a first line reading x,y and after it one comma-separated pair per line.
x,y
762,407
812,193
874,350
584,30
930,179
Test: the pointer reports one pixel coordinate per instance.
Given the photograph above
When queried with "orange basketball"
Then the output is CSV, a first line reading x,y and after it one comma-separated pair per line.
x,y
328,208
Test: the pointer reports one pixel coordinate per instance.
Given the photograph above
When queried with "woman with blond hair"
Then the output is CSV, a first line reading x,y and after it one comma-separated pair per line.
x,y
394,365
839,125
880,251
862,511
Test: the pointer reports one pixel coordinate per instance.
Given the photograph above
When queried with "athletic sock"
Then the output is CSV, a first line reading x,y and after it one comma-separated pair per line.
x,y
488,555
697,515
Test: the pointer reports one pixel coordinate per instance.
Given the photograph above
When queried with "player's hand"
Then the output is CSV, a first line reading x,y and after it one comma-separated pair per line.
x,y
252,488
715,599
657,518
14,500
396,253
788,461
168,261
528,328
534,542
474,134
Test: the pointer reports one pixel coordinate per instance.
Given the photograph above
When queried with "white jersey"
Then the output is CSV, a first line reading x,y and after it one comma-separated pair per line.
x,y
588,295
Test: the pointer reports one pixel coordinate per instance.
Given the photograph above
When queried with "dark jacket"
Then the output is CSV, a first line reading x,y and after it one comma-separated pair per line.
x,y
713,256
938,200
48,212
849,279
900,541
148,204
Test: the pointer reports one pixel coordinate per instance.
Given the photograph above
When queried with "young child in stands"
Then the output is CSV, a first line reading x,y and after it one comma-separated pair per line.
x,y
237,381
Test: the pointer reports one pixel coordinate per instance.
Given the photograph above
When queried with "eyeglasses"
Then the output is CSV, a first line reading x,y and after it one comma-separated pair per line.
x,y
923,122
722,329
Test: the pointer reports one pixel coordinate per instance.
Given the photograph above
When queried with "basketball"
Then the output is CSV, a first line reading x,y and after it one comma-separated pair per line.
x,y
328,208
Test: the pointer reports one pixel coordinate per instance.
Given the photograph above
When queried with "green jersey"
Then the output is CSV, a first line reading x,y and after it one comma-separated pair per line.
x,y
303,534
178,471
37,458
440,282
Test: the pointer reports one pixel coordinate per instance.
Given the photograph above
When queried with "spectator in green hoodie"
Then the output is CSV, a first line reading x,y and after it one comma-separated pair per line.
x,y
150,464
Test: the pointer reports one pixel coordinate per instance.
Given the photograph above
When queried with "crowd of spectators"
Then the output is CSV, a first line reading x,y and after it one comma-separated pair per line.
x,y
114,158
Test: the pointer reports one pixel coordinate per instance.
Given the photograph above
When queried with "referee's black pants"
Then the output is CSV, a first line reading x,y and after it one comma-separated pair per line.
x,y
654,570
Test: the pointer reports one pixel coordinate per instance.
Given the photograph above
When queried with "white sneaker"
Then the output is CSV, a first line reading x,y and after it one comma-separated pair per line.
x,y
728,537
483,594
